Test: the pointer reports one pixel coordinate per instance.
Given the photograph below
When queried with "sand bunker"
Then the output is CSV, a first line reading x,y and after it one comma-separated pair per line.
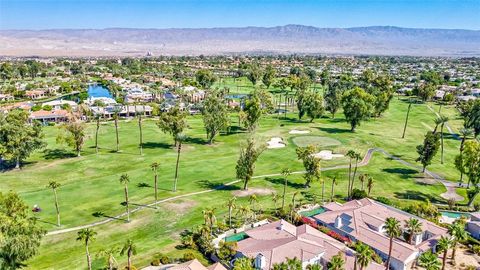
x,y
275,142
296,131
251,191
327,155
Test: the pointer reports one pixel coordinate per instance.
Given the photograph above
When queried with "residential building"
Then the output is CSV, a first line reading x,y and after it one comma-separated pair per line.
x,y
196,265
364,220
53,116
35,94
275,242
473,226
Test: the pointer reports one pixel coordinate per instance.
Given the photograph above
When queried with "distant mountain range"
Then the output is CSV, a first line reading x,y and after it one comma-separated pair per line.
x,y
374,40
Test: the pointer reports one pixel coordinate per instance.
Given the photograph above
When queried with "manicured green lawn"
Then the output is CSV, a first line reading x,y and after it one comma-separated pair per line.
x,y
90,183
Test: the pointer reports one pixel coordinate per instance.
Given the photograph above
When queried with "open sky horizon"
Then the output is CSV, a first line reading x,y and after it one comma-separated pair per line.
x,y
98,14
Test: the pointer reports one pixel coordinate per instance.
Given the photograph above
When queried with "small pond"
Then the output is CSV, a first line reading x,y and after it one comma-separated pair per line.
x,y
96,90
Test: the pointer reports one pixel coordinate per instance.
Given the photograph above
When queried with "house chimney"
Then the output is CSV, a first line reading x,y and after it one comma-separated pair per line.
x,y
338,222
260,261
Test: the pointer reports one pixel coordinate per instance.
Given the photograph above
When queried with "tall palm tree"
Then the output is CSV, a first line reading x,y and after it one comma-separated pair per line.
x,y
54,185
109,256
351,155
245,212
406,119
465,133
294,204
130,249
253,200
87,236
336,262
140,131
97,117
363,256
116,111
370,184
285,172
362,178
444,120
438,122
357,158
179,139
209,218
413,227
125,179
334,182
443,245
275,199
458,233
155,166
392,228
429,261
231,205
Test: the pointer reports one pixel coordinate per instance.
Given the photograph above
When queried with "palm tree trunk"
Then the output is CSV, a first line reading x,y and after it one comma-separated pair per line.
x,y
349,177
389,254
285,105
129,260
56,207
284,193
454,251
89,260
176,166
406,120
354,174
331,194
126,203
116,133
230,217
323,192
141,133
441,139
156,186
444,259
96,135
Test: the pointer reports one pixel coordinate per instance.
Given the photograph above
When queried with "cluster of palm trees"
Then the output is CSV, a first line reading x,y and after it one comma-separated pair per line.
x,y
129,248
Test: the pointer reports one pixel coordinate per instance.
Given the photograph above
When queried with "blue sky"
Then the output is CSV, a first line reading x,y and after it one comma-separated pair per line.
x,y
48,14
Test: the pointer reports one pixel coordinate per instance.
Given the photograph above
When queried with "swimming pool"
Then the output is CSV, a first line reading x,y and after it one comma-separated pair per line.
x,y
313,212
236,237
454,215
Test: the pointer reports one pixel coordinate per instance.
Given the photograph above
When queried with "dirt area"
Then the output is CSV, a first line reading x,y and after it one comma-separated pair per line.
x,y
464,258
425,180
251,191
179,207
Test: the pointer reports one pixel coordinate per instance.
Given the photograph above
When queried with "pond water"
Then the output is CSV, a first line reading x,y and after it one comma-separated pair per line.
x,y
96,90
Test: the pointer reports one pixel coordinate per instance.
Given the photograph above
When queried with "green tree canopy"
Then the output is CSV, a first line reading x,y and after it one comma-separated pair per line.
x,y
20,235
357,106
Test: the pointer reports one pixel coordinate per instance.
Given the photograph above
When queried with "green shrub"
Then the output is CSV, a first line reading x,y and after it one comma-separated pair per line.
x,y
188,256
384,200
358,194
155,262
165,259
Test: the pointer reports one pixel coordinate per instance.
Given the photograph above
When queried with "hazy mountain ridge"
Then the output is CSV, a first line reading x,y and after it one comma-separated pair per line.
x,y
379,40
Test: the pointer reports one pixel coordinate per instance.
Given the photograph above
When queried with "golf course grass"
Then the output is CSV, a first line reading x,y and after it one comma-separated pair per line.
x,y
91,191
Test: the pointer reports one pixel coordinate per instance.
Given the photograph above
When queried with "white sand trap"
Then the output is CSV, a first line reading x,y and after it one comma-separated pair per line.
x,y
327,155
251,191
275,142
296,131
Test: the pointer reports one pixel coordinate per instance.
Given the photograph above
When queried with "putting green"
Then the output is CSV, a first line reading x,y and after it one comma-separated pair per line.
x,y
303,141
